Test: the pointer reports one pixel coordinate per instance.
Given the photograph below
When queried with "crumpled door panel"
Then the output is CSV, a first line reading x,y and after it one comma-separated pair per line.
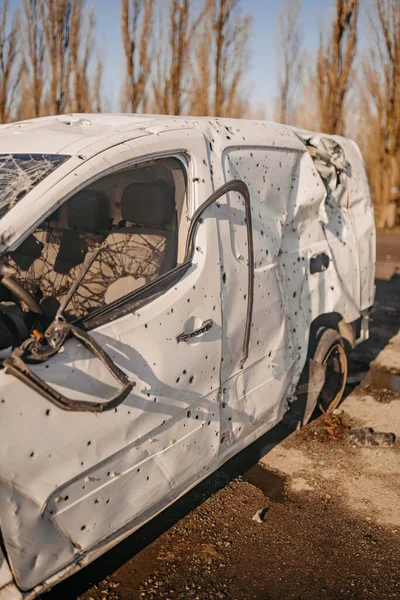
x,y
77,515
144,473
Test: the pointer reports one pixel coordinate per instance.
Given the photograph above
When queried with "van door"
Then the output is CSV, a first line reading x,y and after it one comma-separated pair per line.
x,y
253,396
81,478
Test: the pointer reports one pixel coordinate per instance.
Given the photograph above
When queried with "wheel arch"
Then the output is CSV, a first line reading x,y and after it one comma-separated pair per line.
x,y
333,320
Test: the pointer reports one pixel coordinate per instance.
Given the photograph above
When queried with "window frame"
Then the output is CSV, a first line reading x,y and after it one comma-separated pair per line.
x,y
163,283
17,367
186,166
148,291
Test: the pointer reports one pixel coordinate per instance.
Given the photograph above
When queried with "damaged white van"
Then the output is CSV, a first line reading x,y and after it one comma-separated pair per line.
x,y
170,288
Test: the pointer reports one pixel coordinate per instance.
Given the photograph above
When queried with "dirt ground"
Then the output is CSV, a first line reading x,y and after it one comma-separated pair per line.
x,y
331,527
330,510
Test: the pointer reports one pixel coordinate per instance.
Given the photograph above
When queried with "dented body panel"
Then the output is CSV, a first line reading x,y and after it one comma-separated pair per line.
x,y
213,347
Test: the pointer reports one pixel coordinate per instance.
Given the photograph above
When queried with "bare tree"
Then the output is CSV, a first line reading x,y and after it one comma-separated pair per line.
x,y
81,49
68,35
137,18
334,65
33,59
231,32
56,23
381,88
96,87
290,57
160,82
179,43
220,61
10,64
201,67
172,77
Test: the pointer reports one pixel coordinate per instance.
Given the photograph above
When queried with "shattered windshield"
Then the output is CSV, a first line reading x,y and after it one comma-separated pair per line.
x,y
19,173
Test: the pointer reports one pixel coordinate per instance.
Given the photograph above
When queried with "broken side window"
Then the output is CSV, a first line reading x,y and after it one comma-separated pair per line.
x,y
138,214
19,173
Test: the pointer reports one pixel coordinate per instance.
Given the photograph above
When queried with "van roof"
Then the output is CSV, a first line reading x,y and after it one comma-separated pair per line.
x,y
91,133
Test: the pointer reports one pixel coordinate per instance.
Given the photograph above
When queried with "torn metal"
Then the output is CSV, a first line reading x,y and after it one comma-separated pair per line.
x,y
163,295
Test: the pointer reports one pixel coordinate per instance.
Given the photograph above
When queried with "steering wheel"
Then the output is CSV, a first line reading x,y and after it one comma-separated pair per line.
x,y
17,290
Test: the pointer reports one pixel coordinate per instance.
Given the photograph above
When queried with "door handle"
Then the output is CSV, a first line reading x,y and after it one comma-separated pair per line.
x,y
205,326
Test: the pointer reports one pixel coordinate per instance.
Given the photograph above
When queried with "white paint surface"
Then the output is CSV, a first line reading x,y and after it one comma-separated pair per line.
x,y
74,484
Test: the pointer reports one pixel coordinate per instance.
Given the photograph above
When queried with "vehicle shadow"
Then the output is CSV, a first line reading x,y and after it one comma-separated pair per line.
x,y
385,319
135,543
384,324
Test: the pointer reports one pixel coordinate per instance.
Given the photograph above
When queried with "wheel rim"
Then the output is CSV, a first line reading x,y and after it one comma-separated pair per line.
x,y
335,378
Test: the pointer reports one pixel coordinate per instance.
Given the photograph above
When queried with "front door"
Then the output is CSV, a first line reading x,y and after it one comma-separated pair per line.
x,y
81,478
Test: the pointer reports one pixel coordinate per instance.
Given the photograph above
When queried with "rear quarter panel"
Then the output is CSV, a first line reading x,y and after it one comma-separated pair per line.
x,y
362,214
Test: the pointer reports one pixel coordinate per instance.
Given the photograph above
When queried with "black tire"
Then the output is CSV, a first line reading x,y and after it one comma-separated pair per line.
x,y
327,348
331,352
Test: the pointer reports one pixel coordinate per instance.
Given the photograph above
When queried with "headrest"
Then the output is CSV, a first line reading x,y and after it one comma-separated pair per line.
x,y
89,211
71,252
26,254
147,204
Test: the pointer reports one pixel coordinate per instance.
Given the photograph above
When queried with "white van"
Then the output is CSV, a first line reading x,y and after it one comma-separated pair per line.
x,y
171,287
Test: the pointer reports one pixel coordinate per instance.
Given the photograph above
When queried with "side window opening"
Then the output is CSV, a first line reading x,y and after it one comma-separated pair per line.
x,y
139,213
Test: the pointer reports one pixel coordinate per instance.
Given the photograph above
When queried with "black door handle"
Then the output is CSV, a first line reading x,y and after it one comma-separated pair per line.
x,y
205,326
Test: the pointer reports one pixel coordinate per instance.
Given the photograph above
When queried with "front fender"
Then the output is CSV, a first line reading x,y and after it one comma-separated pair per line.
x,y
8,589
35,547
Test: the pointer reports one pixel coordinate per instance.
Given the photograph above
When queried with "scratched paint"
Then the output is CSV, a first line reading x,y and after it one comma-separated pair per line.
x,y
76,483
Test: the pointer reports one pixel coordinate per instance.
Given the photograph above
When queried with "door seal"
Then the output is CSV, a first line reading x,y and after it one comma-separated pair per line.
x,y
236,185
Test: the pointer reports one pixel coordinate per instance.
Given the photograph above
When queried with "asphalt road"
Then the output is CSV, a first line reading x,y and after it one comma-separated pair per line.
x,y
332,511
387,254
385,315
